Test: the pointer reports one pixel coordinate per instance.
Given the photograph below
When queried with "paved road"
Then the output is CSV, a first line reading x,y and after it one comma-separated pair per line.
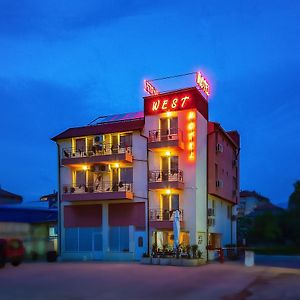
x,y
278,261
87,280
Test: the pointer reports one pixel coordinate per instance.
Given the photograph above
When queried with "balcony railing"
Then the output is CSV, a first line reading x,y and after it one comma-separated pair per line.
x,y
164,214
166,175
102,187
96,150
162,135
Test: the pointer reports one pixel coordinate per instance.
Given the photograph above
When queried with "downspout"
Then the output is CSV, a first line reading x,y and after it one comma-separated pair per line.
x,y
147,199
206,197
59,203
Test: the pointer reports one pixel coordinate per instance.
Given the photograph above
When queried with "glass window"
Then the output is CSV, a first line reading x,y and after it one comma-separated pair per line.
x,y
71,239
174,163
85,239
124,239
119,239
98,241
125,140
114,237
174,201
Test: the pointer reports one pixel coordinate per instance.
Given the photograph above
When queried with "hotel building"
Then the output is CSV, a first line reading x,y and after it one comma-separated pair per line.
x,y
120,180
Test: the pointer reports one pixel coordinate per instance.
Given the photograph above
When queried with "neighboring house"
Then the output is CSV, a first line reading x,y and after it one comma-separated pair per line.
x,y
9,198
34,225
121,180
252,204
249,201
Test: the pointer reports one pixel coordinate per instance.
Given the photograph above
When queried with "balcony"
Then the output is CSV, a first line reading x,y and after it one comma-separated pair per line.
x,y
163,219
165,138
102,191
162,179
105,153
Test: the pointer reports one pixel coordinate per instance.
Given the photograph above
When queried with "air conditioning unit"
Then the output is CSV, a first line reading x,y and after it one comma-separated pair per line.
x,y
100,168
219,183
211,222
98,139
211,212
219,147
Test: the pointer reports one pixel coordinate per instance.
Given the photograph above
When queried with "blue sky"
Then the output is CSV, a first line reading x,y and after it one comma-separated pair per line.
x,y
63,63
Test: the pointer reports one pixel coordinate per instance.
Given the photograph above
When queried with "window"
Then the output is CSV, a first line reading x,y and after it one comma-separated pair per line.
x,y
71,239
83,239
168,128
170,202
119,239
80,178
80,145
125,140
229,212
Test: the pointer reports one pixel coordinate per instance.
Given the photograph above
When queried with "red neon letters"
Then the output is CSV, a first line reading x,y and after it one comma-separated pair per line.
x,y
149,88
169,104
202,83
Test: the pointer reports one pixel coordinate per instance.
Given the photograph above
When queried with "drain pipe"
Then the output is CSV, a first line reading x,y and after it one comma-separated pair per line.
x,y
147,199
59,203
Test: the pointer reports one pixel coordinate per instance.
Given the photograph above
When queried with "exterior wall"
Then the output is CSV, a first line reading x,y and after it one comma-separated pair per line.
x,y
223,224
99,218
192,197
227,170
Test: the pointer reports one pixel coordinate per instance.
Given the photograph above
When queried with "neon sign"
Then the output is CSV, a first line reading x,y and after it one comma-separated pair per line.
x,y
202,83
149,88
191,126
169,104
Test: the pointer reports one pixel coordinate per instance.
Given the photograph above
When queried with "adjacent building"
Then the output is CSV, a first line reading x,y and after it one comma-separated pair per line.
x,y
121,179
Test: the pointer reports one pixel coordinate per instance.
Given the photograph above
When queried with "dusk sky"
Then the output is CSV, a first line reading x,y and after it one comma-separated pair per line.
x,y
63,63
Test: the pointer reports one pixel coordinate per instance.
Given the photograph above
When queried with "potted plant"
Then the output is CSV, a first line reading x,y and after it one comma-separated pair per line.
x,y
195,258
146,259
164,260
155,258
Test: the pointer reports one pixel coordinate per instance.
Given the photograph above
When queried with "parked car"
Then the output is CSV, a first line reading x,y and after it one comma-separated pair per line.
x,y
11,250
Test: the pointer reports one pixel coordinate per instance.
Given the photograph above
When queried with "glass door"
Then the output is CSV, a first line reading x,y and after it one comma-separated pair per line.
x,y
165,207
164,168
115,179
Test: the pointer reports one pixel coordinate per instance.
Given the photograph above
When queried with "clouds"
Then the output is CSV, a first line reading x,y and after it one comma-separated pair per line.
x,y
63,63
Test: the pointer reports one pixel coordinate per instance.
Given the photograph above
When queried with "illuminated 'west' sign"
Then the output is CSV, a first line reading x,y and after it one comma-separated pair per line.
x,y
169,104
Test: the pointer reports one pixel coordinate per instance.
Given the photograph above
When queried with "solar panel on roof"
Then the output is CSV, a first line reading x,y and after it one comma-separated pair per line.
x,y
122,117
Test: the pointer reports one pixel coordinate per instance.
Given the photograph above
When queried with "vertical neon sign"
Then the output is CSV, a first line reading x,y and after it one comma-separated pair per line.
x,y
191,127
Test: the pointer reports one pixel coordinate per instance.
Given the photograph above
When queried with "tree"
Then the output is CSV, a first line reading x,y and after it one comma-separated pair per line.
x,y
294,199
294,214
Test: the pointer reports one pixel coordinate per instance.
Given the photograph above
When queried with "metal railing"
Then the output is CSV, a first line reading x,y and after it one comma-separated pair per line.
x,y
166,175
163,214
161,135
101,187
96,150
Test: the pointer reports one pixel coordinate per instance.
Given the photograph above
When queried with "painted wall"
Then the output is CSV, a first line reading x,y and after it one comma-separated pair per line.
x,y
227,170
